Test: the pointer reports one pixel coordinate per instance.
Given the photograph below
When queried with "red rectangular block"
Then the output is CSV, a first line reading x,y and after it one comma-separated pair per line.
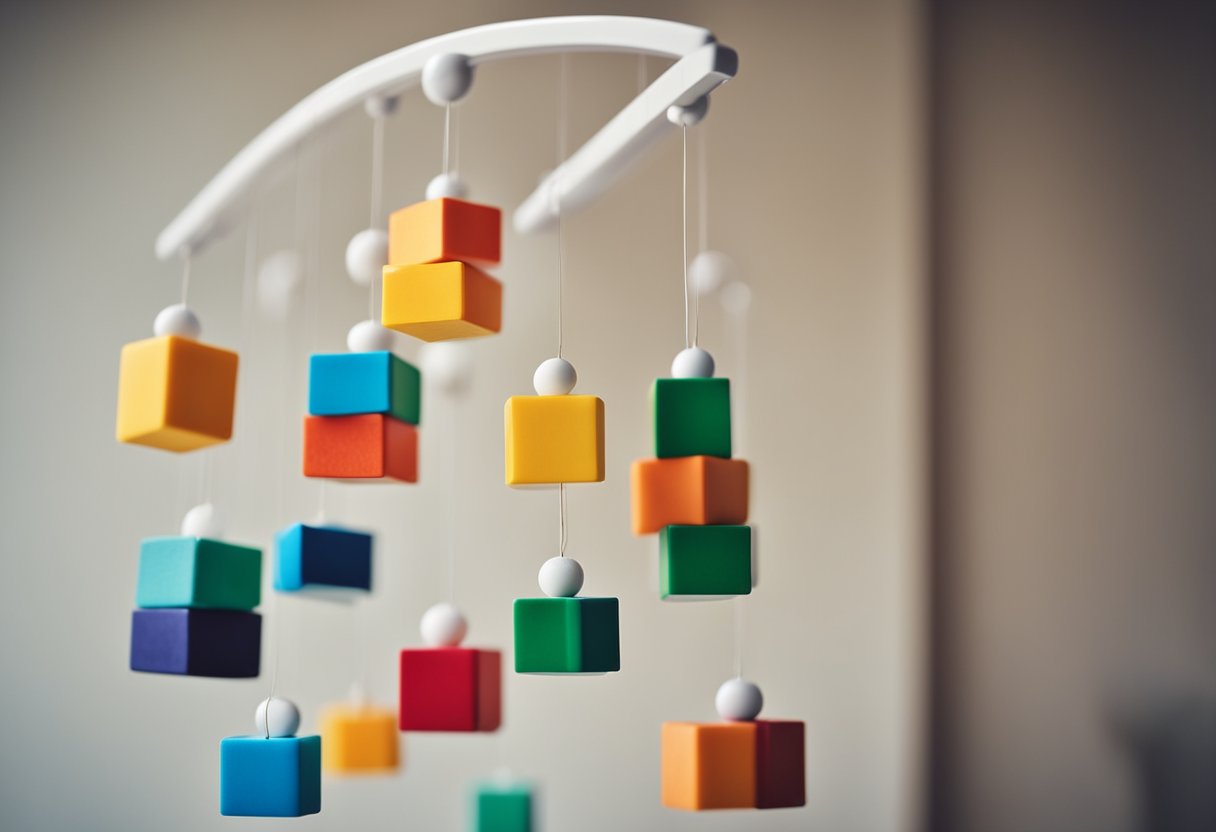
x,y
366,446
780,763
450,689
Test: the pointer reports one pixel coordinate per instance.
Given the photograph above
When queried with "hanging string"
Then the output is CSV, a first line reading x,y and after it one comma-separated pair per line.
x,y
186,259
562,528
562,93
447,136
688,342
703,186
739,632
276,646
456,141
449,492
376,198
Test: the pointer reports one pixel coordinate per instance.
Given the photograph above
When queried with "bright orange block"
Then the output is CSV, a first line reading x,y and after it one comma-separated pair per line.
x,y
709,765
175,394
445,229
688,491
441,301
358,739
363,447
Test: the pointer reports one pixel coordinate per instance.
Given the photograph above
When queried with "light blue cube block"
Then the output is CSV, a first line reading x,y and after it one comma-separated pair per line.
x,y
278,777
325,557
198,573
349,383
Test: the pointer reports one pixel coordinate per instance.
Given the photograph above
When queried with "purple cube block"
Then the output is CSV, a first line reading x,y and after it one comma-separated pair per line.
x,y
224,643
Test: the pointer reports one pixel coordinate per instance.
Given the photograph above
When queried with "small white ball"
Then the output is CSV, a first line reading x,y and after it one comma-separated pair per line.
x,y
560,577
178,320
736,297
447,78
280,279
448,365
554,377
443,626
380,106
367,255
709,271
202,521
369,336
738,700
446,185
281,719
687,116
692,362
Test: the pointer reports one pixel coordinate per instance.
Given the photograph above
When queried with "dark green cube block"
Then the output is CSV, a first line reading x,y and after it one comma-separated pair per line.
x,y
501,807
691,417
567,635
700,563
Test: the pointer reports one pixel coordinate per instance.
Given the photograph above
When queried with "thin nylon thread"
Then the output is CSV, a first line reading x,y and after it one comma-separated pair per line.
x,y
376,199
562,95
739,633
186,260
449,488
277,646
447,136
684,137
562,528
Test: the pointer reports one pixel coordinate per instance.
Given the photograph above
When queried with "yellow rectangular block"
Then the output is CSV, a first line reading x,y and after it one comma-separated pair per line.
x,y
554,439
358,739
708,765
441,301
445,229
175,394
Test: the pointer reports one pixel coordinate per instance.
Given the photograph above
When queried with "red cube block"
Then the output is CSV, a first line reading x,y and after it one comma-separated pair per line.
x,y
450,689
368,446
780,763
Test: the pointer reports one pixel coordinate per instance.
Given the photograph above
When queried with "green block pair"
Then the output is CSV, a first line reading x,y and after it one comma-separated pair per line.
x,y
691,417
567,635
699,563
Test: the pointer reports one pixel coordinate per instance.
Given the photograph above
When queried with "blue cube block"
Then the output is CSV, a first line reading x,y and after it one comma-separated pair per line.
x,y
223,643
349,383
198,573
279,777
324,556
501,806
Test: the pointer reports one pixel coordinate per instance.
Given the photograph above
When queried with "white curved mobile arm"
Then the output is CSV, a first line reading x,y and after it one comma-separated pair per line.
x,y
701,65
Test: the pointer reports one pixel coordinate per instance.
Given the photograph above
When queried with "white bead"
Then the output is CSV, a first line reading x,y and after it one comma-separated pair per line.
x,y
380,106
202,521
692,362
443,626
738,700
554,377
448,365
178,320
447,78
369,336
367,255
709,271
560,577
446,184
736,297
282,719
280,279
689,115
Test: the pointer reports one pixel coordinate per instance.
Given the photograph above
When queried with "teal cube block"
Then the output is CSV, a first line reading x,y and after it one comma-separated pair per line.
x,y
501,806
198,573
691,417
567,635
279,777
703,563
350,383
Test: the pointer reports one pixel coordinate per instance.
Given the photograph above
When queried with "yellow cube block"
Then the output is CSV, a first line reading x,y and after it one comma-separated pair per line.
x,y
175,394
358,739
445,229
554,439
441,301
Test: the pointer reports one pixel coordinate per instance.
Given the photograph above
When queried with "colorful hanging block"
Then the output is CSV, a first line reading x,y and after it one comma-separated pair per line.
x,y
175,393
224,643
359,739
275,777
691,490
567,635
554,439
691,417
780,763
704,562
346,384
364,447
501,806
441,301
450,689
198,573
709,766
444,229
328,557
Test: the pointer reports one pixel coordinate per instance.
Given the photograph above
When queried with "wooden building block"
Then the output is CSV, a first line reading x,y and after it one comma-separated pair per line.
x,y
691,417
350,383
444,229
567,635
701,563
175,394
222,643
359,739
198,573
554,439
279,777
501,806
709,766
367,447
780,763
441,301
690,490
322,556
450,689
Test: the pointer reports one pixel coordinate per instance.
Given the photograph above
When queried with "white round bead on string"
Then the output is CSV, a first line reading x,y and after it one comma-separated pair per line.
x,y
279,282
710,271
554,377
369,336
367,255
448,185
178,320
447,78
692,362
688,115
443,626
560,577
738,700
448,365
202,521
280,719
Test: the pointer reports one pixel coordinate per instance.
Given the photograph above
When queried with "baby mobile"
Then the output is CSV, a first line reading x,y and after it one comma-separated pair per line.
x,y
196,593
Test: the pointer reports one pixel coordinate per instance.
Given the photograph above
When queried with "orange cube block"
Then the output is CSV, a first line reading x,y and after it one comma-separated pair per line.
x,y
363,447
445,229
359,739
441,301
688,491
709,765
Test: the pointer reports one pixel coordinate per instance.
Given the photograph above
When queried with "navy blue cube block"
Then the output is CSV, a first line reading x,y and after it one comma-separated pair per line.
x,y
279,777
223,643
322,557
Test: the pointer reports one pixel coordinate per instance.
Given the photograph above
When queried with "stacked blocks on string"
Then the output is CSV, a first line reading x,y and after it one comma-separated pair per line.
x,y
322,557
567,635
733,765
195,599
450,689
433,288
364,410
359,739
501,807
176,394
554,439
277,777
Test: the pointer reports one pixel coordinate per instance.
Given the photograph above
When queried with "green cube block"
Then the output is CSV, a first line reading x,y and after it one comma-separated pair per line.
x,y
702,563
198,573
567,635
501,806
691,417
